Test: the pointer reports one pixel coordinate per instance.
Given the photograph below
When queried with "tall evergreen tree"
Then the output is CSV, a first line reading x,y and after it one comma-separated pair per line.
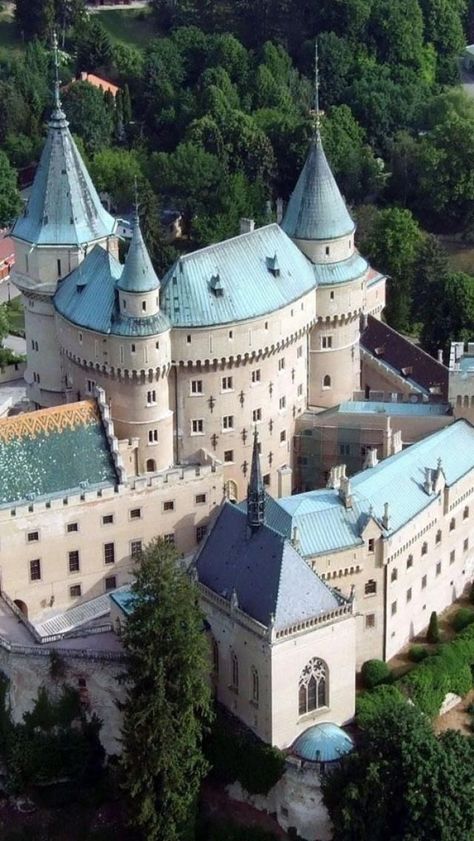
x,y
168,700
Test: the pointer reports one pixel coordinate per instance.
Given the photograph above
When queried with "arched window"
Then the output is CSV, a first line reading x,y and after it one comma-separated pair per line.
x,y
255,687
231,490
327,381
151,465
312,691
234,673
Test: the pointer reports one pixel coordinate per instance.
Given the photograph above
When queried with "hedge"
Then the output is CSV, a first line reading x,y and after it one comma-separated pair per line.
x,y
375,672
462,618
370,705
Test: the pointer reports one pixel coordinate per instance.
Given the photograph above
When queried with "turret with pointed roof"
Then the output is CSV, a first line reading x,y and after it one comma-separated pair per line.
x,y
256,491
138,275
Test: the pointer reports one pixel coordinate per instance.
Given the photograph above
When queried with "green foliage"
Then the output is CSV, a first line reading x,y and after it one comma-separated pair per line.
x,y
10,201
462,618
432,634
380,701
375,672
450,315
417,653
168,699
89,115
411,771
235,754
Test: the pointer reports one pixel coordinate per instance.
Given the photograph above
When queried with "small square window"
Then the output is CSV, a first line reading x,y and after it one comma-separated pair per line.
x,y
75,591
168,505
188,339
394,574
326,342
227,422
200,499
409,561
133,348
424,548
226,383
151,397
33,536
135,549
266,479
200,533
256,415
72,527
109,553
196,386
74,561
371,544
197,426
110,583
107,519
135,513
439,536
452,524
370,620
90,386
299,352
228,455
169,538
465,513
370,587
256,375
35,570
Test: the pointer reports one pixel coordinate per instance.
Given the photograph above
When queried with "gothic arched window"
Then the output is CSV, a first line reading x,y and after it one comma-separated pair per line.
x,y
313,686
255,686
327,381
234,666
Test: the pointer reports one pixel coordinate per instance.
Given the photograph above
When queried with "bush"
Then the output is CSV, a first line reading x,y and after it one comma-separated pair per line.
x,y
449,670
418,653
370,705
471,593
462,618
375,672
432,634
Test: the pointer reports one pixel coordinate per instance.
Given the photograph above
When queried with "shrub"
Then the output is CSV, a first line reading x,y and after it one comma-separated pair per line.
x,y
418,653
471,593
375,672
462,618
432,634
382,699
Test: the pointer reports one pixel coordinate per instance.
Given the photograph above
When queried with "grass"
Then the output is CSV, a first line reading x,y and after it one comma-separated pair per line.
x,y
461,256
16,317
128,26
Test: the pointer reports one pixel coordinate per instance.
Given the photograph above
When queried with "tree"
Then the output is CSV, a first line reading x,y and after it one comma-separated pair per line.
x,y
10,202
352,160
114,172
93,44
451,313
393,247
89,115
446,175
423,783
432,634
444,29
396,32
34,18
168,701
431,269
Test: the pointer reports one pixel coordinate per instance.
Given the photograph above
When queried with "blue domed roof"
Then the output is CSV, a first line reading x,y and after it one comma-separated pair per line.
x,y
324,742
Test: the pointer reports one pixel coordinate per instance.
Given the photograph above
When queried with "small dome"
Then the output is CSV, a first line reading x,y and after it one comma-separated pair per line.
x,y
324,742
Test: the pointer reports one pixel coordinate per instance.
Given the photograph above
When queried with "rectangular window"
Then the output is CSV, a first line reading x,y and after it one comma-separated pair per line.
x,y
438,568
466,544
200,499
135,513
151,397
197,426
281,364
168,505
133,348
200,533
266,479
371,544
35,570
169,538
226,383
452,556
109,553
90,386
107,519
33,536
282,403
75,591
196,386
409,561
299,352
228,455
110,583
326,342
227,422
423,582
344,450
59,268
370,587
409,595
282,436
300,391
135,549
74,561
152,436
256,415
72,527
256,375
370,620
393,608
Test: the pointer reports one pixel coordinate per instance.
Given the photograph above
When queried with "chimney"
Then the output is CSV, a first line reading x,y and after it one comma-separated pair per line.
x,y
371,459
83,76
279,209
247,226
336,473
428,484
345,492
386,517
295,538
440,355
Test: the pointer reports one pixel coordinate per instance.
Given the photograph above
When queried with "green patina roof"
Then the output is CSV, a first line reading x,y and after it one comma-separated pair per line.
x,y
63,207
138,273
88,297
316,209
52,451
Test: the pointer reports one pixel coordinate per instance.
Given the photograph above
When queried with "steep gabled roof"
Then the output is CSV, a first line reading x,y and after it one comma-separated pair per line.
x,y
316,209
63,208
271,581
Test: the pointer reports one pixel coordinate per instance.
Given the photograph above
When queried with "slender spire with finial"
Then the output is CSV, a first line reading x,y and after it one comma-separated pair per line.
x,y
58,117
255,491
316,113
136,215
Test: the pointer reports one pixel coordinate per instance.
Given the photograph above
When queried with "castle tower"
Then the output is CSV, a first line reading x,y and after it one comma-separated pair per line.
x,y
63,219
318,222
255,491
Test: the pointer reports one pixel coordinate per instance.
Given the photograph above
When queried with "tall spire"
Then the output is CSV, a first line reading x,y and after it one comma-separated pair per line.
x,y
58,115
255,491
316,113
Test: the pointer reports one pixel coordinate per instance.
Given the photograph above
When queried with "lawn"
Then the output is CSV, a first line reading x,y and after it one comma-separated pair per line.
x,y
461,255
128,26
16,317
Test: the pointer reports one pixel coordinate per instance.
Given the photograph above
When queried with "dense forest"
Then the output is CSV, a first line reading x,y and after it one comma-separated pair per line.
x,y
213,119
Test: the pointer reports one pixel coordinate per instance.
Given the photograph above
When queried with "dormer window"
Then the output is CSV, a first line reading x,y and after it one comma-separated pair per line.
x,y
216,285
273,265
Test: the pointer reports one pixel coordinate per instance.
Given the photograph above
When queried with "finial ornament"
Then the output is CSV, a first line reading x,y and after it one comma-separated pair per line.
x,y
316,113
57,101
137,203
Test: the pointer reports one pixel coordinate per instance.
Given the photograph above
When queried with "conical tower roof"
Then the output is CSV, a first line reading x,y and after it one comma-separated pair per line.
x,y
316,209
64,207
138,273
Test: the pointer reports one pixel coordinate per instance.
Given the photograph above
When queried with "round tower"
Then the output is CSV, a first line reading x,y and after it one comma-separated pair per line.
x,y
62,220
318,222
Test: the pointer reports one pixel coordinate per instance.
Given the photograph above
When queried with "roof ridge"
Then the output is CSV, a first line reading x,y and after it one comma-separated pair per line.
x,y
223,242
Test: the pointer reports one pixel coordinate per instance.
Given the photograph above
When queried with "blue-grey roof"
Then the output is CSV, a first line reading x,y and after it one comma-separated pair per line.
x,y
410,409
63,207
267,575
325,525
88,297
249,286
52,452
325,742
344,271
124,598
138,273
316,209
